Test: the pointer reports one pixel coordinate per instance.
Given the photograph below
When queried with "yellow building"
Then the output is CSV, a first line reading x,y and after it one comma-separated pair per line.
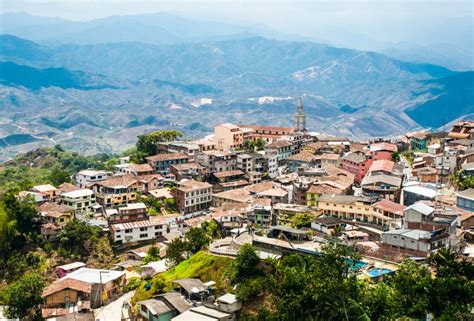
x,y
360,209
117,190
54,217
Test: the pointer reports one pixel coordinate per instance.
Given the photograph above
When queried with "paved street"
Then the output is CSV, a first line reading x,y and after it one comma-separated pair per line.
x,y
113,311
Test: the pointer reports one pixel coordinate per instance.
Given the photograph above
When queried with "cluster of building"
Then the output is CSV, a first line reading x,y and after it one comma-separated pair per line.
x,y
389,197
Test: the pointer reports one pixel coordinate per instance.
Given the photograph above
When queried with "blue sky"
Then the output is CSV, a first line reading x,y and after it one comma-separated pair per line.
x,y
374,21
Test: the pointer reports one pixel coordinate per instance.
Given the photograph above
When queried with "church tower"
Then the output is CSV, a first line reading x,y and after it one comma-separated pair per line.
x,y
300,117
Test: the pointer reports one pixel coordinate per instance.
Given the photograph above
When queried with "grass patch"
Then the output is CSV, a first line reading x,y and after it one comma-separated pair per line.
x,y
201,265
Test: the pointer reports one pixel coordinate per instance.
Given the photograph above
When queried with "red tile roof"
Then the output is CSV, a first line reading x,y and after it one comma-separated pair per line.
x,y
67,284
390,206
165,157
382,165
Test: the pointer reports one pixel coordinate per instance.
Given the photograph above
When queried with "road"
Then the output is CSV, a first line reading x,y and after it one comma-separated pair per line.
x,y
113,311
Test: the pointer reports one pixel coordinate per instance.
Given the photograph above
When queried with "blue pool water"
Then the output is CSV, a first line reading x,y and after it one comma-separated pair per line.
x,y
374,272
355,265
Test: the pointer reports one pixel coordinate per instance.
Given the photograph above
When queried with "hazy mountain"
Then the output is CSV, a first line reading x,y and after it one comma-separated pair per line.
x,y
103,95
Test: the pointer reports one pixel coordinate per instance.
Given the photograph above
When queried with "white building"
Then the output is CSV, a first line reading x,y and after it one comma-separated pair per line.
x,y
89,176
140,230
81,200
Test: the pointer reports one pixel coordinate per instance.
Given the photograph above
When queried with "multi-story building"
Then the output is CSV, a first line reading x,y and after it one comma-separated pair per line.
x,y
187,171
384,180
192,196
280,149
382,151
358,164
424,232
140,230
81,200
87,177
261,214
303,158
128,213
188,148
462,130
267,133
217,161
465,200
48,190
54,217
117,190
228,136
359,209
134,169
161,163
297,141
284,213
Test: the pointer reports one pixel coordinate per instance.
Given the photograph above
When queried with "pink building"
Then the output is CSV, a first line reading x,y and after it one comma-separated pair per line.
x,y
382,151
357,164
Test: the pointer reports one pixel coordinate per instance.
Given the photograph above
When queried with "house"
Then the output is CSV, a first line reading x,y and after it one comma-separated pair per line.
x,y
465,200
382,186
87,177
160,309
424,232
149,182
54,217
134,169
153,268
193,289
330,159
81,200
161,194
203,313
254,177
242,195
48,190
66,296
280,149
66,188
35,196
187,171
354,236
161,163
192,196
382,151
414,193
228,136
228,176
228,219
357,164
418,141
326,225
116,190
128,213
140,230
303,158
267,133
62,270
106,285
462,130
188,148
228,303
217,161
260,213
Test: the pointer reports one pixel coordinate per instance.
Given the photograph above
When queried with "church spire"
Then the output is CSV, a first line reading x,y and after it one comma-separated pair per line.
x,y
300,117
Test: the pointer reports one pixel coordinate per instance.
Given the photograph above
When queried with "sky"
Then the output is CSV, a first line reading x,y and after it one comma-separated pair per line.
x,y
374,21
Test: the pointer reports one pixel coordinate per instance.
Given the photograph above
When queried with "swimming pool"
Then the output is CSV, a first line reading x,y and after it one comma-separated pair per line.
x,y
374,272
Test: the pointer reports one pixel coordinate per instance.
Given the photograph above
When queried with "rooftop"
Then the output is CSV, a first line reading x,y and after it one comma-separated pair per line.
x,y
279,144
390,206
54,209
154,221
44,188
119,181
140,167
469,193
165,157
355,158
420,190
302,156
383,146
71,266
156,307
191,185
78,193
66,283
94,276
228,173
421,207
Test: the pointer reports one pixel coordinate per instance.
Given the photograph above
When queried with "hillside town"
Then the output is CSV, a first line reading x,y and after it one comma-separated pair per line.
x,y
281,190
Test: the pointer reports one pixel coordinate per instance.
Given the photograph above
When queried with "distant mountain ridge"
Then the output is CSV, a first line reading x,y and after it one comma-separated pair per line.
x,y
132,87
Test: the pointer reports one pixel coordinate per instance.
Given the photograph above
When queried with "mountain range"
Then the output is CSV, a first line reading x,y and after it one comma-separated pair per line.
x,y
98,96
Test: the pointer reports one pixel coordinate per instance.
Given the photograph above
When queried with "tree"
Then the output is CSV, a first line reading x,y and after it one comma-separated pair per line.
x,y
302,220
212,229
381,302
411,281
59,176
452,290
245,264
177,251
259,143
197,239
153,254
23,297
395,157
7,233
76,237
146,144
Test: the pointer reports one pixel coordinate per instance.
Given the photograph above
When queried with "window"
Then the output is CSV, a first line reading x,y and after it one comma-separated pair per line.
x,y
143,235
129,230
142,229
